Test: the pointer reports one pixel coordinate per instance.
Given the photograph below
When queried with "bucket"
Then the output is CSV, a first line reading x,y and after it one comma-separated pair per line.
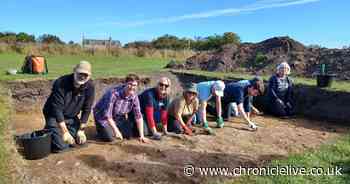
x,y
325,80
36,145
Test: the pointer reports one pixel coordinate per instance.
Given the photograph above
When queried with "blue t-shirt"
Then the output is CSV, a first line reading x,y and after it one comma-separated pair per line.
x,y
236,92
204,90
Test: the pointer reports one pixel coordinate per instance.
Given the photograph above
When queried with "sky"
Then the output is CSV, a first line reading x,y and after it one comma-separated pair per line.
x,y
320,22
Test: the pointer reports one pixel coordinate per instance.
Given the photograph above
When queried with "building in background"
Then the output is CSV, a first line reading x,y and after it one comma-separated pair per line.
x,y
100,44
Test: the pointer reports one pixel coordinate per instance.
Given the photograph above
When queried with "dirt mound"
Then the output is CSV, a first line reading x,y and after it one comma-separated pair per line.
x,y
262,58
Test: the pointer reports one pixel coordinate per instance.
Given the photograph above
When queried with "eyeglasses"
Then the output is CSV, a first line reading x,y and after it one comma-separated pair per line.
x,y
132,84
163,85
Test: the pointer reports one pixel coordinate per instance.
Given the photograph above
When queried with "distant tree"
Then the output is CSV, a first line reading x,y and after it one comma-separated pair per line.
x,y
231,38
24,37
138,44
8,37
49,39
260,60
216,41
71,42
167,42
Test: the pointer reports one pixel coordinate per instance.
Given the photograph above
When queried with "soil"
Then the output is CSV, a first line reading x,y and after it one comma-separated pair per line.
x,y
263,57
130,161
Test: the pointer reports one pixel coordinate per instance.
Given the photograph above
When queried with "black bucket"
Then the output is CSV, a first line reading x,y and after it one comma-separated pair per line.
x,y
36,145
325,80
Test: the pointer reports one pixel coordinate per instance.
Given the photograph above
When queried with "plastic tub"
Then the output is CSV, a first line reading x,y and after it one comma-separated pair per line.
x,y
325,80
36,145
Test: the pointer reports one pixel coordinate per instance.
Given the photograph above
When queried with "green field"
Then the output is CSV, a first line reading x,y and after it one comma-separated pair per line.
x,y
4,142
102,66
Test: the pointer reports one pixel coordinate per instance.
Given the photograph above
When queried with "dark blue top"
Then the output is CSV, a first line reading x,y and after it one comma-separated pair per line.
x,y
236,92
280,88
149,98
66,101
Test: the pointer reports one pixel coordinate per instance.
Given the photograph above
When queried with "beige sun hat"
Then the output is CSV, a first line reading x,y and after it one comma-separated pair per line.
x,y
83,67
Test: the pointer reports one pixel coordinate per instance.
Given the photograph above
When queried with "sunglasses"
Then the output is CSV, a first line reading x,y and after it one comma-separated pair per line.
x,y
192,93
163,85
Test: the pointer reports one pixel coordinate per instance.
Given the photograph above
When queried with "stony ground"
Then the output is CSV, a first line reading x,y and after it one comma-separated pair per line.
x,y
162,161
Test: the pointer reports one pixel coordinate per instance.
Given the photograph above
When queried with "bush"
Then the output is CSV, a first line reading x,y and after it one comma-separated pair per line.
x,y
260,60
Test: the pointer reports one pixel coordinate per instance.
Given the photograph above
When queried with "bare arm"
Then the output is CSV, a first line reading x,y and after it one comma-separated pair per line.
x,y
115,129
63,127
203,111
218,106
139,123
243,113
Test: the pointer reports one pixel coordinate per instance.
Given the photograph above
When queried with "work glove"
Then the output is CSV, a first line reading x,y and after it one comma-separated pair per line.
x,y
156,136
252,126
220,122
67,138
187,130
208,129
81,137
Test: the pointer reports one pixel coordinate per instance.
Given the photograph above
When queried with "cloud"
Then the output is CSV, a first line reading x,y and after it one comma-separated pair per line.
x,y
259,5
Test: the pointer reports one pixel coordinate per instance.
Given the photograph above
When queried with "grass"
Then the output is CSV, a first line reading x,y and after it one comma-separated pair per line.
x,y
328,156
102,66
4,142
336,85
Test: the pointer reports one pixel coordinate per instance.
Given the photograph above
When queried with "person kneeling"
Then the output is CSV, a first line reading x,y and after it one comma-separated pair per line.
x,y
117,113
154,103
238,97
71,94
182,111
280,92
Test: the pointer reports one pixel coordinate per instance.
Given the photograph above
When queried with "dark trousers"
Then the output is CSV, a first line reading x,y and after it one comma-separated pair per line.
x,y
247,105
175,126
52,126
279,109
127,128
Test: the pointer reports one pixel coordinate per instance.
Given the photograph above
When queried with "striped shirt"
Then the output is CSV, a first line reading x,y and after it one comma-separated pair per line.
x,y
114,104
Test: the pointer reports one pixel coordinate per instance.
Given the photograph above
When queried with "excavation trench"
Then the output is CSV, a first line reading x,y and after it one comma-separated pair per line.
x,y
164,161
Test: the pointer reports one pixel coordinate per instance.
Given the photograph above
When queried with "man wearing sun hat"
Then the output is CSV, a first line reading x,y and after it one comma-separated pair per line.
x,y
206,91
71,95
